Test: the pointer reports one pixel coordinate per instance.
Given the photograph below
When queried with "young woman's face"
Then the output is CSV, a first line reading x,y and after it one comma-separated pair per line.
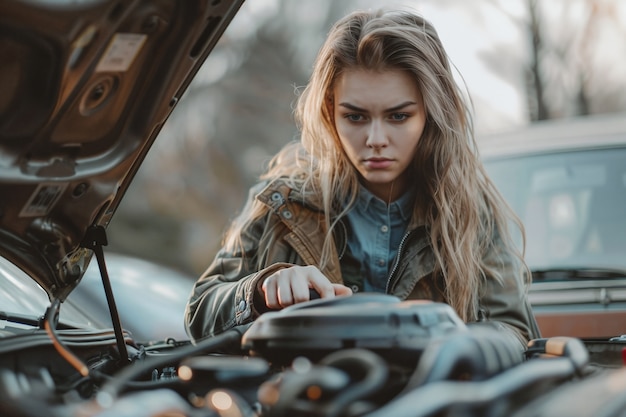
x,y
380,118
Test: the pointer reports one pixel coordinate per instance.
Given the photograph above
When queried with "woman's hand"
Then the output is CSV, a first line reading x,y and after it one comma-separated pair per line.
x,y
291,286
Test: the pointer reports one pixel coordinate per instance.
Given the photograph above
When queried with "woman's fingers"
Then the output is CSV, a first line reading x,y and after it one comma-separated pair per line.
x,y
341,290
285,291
270,288
292,285
284,288
319,282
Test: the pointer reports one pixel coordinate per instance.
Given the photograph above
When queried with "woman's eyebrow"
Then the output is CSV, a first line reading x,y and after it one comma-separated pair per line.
x,y
400,106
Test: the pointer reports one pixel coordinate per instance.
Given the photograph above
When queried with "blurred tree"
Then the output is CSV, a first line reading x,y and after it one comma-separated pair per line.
x,y
566,70
238,110
235,116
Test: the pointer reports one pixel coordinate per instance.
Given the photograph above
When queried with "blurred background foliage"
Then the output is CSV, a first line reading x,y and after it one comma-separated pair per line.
x,y
521,61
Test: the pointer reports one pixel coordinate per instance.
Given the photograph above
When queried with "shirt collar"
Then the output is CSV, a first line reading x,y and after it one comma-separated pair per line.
x,y
403,205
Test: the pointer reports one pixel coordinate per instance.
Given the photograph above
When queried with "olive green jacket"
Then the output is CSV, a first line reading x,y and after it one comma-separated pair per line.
x,y
222,298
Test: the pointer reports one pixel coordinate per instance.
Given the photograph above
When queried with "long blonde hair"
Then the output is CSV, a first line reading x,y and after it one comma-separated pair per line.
x,y
455,198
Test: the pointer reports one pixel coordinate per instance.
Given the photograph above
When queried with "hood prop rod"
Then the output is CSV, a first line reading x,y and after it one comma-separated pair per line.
x,y
95,238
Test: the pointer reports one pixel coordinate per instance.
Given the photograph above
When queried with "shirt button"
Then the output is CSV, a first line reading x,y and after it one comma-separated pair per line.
x,y
242,305
354,288
277,197
381,262
287,214
384,228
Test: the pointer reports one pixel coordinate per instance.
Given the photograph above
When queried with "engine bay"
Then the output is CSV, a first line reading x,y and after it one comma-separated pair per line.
x,y
365,355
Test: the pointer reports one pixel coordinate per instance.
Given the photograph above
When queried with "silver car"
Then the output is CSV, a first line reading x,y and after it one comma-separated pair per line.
x,y
566,180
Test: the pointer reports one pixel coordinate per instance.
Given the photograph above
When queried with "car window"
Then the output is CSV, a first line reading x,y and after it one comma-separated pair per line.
x,y
573,205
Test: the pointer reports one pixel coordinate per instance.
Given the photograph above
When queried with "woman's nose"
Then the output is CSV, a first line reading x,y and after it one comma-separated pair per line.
x,y
376,135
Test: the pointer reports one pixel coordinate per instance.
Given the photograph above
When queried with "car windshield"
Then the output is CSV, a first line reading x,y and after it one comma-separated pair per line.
x,y
572,204
23,301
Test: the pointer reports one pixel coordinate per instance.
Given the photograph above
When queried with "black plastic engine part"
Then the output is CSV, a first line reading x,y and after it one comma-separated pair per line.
x,y
397,330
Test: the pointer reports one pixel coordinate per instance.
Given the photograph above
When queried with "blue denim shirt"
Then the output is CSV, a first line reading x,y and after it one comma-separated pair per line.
x,y
375,230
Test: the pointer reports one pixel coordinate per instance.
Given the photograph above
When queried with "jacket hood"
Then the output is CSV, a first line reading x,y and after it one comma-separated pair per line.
x,y
85,87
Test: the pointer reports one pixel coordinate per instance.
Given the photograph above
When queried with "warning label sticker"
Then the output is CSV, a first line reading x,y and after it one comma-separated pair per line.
x,y
43,199
121,52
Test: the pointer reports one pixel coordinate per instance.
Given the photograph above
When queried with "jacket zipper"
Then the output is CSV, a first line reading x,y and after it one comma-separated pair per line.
x,y
397,260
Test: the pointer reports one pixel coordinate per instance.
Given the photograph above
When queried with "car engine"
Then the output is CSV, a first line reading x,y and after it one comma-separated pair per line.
x,y
366,355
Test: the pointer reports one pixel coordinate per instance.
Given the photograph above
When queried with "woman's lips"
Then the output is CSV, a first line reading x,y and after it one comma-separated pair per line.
x,y
378,163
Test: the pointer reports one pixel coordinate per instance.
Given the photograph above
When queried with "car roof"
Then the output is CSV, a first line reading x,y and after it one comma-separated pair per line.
x,y
589,132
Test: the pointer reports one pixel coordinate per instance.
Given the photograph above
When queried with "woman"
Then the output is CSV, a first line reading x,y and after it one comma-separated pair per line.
x,y
384,192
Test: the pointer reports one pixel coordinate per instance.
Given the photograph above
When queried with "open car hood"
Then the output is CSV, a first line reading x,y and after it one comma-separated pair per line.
x,y
85,87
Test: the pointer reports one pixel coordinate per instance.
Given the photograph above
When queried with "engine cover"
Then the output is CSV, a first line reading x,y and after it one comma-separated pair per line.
x,y
397,330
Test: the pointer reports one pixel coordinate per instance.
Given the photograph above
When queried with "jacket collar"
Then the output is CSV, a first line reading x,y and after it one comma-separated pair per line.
x,y
280,191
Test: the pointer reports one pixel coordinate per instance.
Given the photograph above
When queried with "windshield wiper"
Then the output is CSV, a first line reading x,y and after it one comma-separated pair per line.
x,y
30,320
577,273
21,319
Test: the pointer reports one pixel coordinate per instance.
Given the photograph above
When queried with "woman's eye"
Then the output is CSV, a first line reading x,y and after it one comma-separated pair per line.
x,y
398,117
354,117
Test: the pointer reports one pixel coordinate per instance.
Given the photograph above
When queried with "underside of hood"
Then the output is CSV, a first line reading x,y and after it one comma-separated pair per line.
x,y
85,87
